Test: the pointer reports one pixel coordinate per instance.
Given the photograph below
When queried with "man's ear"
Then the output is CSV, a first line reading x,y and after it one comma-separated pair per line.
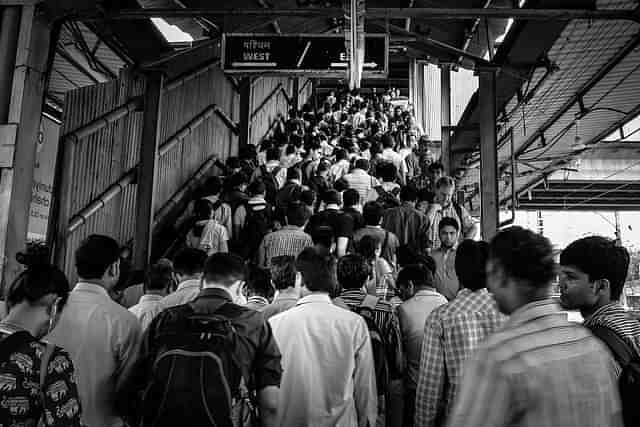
x,y
602,286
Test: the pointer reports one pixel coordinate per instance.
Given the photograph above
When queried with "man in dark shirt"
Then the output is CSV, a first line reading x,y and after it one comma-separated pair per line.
x,y
257,351
352,207
290,192
340,222
406,222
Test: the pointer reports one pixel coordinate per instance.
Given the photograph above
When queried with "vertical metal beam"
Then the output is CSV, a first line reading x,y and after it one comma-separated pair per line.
x,y
488,153
314,93
9,29
295,96
147,169
445,116
245,112
25,111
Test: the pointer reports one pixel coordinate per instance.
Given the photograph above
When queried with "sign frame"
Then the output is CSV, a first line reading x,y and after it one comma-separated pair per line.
x,y
327,73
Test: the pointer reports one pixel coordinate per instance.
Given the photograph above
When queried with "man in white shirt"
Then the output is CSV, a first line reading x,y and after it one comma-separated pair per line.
x,y
188,265
327,359
101,336
156,286
391,156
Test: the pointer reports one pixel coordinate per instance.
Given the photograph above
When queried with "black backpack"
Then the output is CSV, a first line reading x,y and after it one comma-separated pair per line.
x,y
629,380
388,199
196,379
258,224
366,310
270,182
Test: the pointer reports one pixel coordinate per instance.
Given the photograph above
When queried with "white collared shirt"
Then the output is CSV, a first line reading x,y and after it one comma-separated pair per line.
x,y
103,340
327,360
147,309
186,292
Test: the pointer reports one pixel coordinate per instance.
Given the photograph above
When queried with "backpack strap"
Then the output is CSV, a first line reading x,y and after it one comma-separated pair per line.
x,y
458,209
263,170
620,349
216,205
386,240
369,302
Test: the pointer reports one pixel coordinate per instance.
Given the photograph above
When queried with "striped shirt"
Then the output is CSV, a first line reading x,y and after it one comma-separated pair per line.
x,y
364,184
386,319
451,332
289,240
614,317
433,237
539,370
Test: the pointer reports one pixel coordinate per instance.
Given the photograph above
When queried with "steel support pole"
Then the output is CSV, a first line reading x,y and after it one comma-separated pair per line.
x,y
488,153
245,112
295,97
24,115
445,117
147,169
9,29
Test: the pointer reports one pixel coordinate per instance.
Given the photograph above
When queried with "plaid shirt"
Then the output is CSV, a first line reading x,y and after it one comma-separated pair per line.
x,y
452,331
386,319
539,370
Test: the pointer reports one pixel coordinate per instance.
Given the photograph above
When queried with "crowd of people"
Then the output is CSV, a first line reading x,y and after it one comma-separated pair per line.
x,y
329,279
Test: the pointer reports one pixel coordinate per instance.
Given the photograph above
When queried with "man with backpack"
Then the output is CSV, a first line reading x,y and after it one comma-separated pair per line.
x,y
226,349
328,367
253,220
384,329
593,271
289,193
272,174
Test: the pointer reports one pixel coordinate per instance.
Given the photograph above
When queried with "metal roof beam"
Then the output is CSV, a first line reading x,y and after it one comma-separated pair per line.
x,y
374,13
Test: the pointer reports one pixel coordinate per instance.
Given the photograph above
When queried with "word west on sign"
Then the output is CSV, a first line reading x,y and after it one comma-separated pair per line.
x,y
319,54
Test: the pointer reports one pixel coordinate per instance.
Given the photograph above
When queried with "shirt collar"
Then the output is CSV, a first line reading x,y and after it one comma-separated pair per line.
x,y
606,309
534,310
258,299
427,292
285,297
91,288
215,293
191,283
315,298
332,206
291,227
150,298
352,293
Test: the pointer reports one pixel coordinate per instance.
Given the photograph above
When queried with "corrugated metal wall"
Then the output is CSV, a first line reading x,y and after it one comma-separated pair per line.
x,y
305,91
94,162
267,101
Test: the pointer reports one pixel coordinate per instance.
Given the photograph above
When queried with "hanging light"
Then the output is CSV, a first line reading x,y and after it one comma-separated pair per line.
x,y
578,144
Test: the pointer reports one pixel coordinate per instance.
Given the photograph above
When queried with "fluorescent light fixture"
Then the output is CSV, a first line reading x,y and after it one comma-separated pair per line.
x,y
171,33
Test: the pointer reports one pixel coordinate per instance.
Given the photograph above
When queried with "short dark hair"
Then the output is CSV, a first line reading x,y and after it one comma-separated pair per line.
x,y
213,185
322,235
426,195
273,154
283,271
435,166
445,181
238,179
296,214
447,221
316,271
259,282
224,268
599,258
189,261
159,276
94,256
293,173
341,154
308,197
524,255
418,274
388,141
372,212
353,271
351,197
332,197
408,193
471,264
367,246
256,187
387,171
362,164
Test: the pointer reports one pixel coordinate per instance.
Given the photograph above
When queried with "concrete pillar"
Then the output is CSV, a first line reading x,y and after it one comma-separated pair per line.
x,y
147,169
245,112
445,117
18,133
488,153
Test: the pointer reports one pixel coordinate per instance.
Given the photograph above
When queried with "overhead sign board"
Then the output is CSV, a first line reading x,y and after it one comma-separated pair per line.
x,y
319,54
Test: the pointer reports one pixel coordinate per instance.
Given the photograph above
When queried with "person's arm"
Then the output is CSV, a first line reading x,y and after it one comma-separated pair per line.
x,y
431,378
364,378
63,409
486,397
342,243
469,225
268,402
227,221
262,254
238,220
394,337
268,374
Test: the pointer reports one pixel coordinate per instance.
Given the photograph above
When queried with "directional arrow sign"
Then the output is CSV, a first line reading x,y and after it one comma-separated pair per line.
x,y
317,54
